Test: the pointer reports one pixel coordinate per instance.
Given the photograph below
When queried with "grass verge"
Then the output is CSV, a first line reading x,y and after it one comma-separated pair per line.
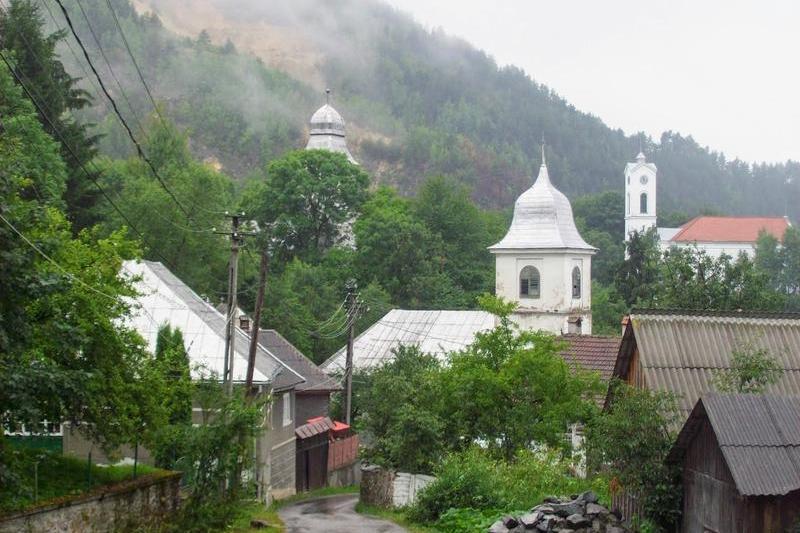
x,y
393,515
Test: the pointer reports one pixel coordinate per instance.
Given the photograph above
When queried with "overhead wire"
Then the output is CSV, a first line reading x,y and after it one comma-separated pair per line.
x,y
138,146
80,163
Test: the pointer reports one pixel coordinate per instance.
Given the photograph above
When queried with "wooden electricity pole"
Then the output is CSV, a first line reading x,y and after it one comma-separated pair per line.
x,y
230,327
251,356
348,372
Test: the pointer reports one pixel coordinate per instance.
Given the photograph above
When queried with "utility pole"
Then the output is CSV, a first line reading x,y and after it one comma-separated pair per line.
x,y
251,356
233,273
348,372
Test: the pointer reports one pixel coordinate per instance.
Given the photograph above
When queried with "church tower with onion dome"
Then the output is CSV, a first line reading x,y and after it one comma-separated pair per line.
x,y
543,264
327,130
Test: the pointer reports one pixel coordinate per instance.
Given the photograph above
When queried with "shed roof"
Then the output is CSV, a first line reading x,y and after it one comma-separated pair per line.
x,y
759,436
730,229
315,426
682,351
316,379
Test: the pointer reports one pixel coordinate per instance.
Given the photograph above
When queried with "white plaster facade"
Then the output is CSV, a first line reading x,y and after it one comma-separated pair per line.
x,y
714,249
640,195
543,236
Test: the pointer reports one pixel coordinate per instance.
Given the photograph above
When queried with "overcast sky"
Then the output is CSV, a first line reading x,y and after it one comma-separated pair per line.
x,y
725,71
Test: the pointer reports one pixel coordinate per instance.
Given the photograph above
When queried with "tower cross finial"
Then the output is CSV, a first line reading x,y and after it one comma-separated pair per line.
x,y
327,96
640,144
543,158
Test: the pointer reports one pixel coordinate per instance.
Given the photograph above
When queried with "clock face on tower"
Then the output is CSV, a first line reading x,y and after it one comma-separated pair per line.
x,y
643,180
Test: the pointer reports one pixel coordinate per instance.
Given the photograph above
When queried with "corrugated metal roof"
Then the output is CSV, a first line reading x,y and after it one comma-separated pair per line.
x,y
316,379
682,352
314,427
759,436
434,332
164,298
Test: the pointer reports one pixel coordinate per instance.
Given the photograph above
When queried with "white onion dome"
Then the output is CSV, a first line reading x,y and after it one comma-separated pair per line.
x,y
327,132
542,220
327,121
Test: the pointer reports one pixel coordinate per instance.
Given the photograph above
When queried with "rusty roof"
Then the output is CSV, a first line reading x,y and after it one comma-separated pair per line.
x,y
730,229
315,426
759,436
681,352
592,352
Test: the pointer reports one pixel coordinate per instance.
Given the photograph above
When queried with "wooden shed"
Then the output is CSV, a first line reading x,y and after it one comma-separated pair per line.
x,y
740,459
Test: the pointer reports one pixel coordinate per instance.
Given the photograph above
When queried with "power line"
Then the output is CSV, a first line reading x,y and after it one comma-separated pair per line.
x,y
139,149
135,64
89,175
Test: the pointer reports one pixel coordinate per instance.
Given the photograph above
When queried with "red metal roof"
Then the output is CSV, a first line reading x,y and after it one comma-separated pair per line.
x,y
730,229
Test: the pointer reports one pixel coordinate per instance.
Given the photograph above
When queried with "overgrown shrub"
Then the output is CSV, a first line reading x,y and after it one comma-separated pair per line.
x,y
472,487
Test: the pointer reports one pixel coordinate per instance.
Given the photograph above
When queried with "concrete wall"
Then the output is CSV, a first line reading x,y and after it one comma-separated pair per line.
x,y
310,405
386,488
555,304
130,506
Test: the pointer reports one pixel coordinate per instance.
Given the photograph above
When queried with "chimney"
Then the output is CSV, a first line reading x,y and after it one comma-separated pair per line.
x,y
574,325
625,321
244,322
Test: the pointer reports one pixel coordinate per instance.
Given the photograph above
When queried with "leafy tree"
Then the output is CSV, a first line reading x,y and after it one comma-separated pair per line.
x,y
637,275
631,440
691,279
404,430
511,388
173,363
752,370
394,248
65,353
58,93
603,211
186,243
608,308
307,198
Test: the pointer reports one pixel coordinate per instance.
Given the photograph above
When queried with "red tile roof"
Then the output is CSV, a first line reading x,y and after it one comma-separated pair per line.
x,y
592,352
730,229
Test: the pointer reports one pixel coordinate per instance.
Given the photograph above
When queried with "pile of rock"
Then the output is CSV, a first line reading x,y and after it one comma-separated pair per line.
x,y
580,514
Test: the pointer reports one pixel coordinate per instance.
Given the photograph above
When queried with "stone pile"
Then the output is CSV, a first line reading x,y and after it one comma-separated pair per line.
x,y
580,514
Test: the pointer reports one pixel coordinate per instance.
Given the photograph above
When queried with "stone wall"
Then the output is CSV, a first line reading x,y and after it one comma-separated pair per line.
x,y
129,506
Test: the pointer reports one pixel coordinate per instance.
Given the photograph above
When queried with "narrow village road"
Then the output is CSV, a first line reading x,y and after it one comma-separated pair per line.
x,y
332,514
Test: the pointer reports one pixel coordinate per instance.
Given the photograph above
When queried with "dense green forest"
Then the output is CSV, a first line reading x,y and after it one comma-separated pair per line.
x,y
419,102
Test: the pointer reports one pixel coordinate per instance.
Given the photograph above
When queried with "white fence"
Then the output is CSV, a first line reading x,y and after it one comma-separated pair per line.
x,y
406,486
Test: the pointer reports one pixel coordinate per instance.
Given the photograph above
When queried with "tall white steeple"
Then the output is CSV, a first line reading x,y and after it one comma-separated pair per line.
x,y
543,264
327,130
640,195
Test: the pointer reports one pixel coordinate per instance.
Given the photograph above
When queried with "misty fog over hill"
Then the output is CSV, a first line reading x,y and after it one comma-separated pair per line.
x,y
244,77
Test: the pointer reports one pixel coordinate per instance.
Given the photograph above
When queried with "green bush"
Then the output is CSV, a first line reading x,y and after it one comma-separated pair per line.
x,y
472,487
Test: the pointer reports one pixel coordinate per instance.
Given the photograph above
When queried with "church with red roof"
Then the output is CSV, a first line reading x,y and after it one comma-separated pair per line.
x,y
717,235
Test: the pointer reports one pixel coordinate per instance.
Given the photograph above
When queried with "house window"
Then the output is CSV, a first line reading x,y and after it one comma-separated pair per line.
x,y
287,409
576,282
529,283
643,203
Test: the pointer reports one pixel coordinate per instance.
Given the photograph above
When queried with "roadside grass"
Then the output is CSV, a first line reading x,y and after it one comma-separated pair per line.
x,y
393,515
253,510
45,476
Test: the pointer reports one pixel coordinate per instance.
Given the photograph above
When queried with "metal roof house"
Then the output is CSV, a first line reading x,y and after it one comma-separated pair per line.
x,y
441,332
740,458
681,351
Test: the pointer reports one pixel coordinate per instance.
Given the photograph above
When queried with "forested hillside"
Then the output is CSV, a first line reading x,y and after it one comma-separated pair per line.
x,y
244,77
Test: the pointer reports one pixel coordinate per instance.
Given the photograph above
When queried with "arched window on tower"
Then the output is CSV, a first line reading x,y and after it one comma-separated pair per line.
x,y
529,286
643,203
576,282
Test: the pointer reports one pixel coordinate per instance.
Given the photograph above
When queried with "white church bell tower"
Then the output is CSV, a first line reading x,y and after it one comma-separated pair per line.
x,y
543,264
640,195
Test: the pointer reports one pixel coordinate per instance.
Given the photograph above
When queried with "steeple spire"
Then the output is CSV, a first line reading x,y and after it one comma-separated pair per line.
x,y
328,96
544,162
